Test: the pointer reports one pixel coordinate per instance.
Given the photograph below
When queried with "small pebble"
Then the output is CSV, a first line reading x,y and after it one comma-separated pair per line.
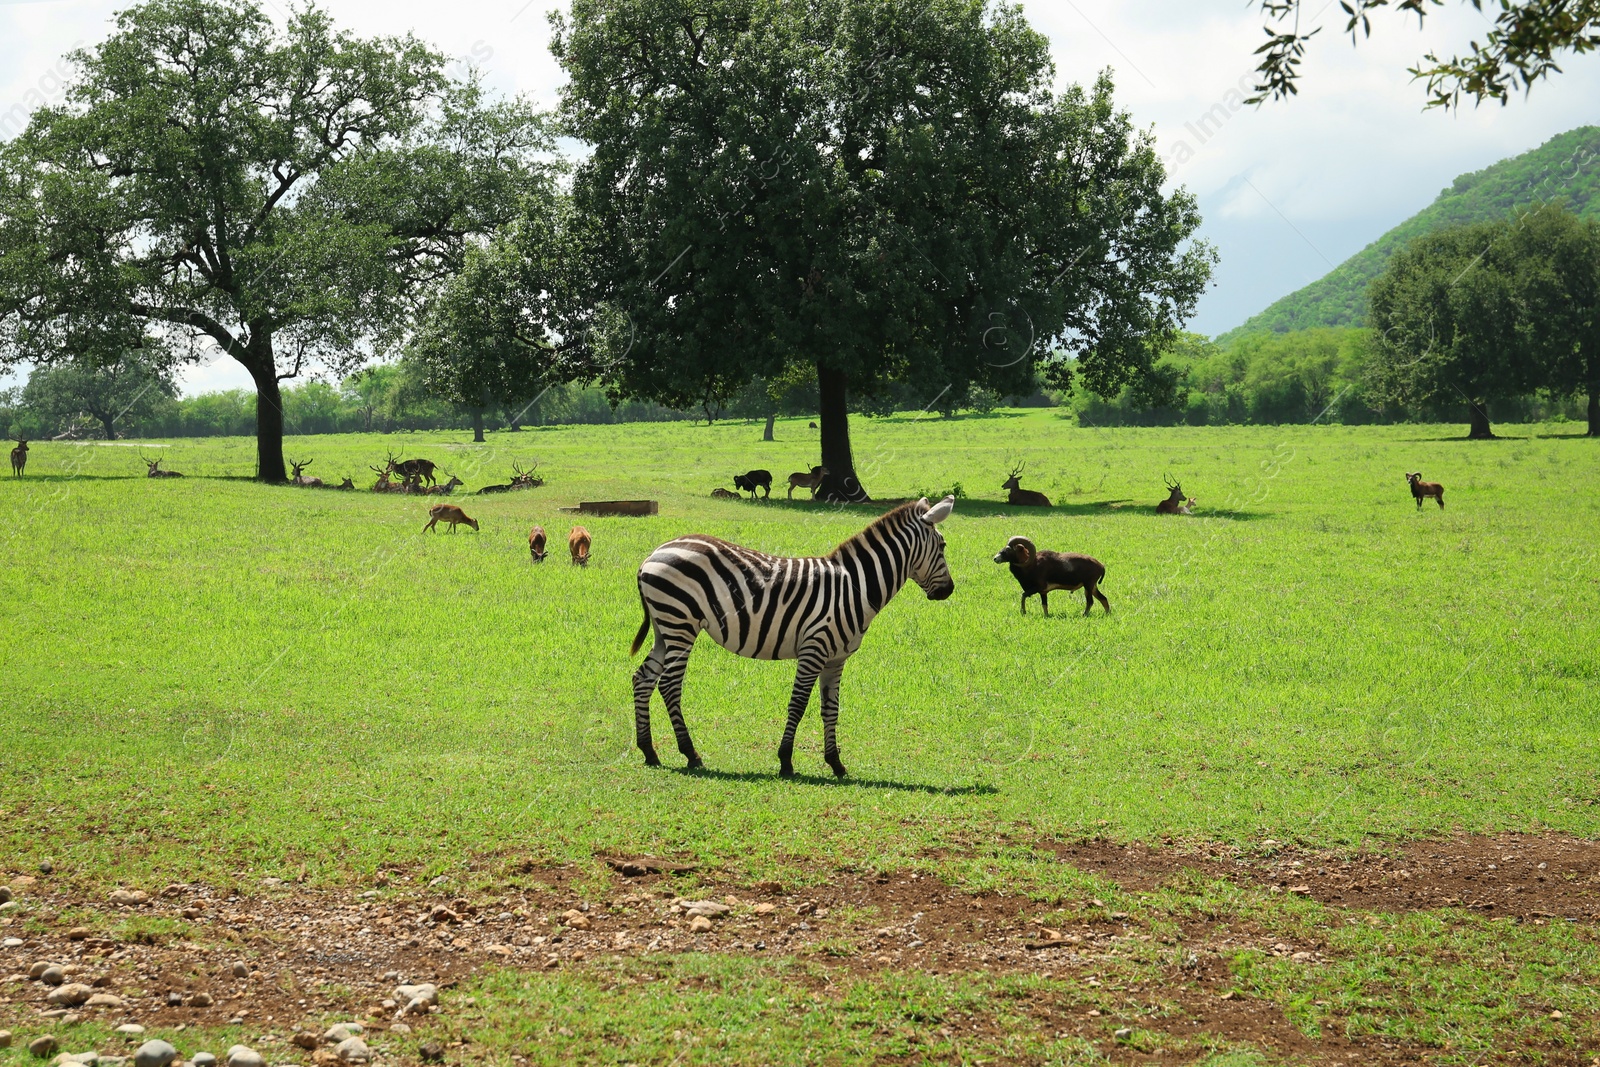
x,y
699,924
46,867
70,995
5,1038
154,1054
12,942
44,1045
131,1029
52,974
200,1000
5,893
1123,1033
203,1059
243,1056
241,969
336,1033
350,1050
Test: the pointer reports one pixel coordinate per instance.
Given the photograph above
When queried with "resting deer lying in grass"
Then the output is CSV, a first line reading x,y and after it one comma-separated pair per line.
x,y
812,481
578,541
1187,507
443,490
536,544
19,456
1023,497
720,493
1421,490
451,514
155,470
1040,572
1174,502
299,478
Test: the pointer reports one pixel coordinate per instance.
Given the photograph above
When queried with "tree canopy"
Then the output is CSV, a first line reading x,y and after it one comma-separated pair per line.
x,y
888,191
286,195
128,387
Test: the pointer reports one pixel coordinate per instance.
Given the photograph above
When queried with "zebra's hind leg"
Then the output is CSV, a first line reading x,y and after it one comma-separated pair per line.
x,y
830,715
644,683
676,662
805,678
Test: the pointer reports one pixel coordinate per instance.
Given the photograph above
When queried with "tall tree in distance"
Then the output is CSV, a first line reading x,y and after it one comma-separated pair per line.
x,y
129,388
886,190
286,195
1559,286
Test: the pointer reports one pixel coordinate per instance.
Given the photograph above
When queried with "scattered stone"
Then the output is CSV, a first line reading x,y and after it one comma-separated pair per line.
x,y
129,897
337,1033
1229,995
244,1056
131,1029
70,995
708,908
10,907
104,1000
12,942
350,1050
1303,957
154,1054
78,933
5,894
5,1038
399,1028
201,1000
806,908
174,999
426,992
1557,1015
699,924
241,969
203,1059
38,968
1122,1033
305,1039
765,908
44,1045
431,1052
1300,890
46,866
51,974
85,1058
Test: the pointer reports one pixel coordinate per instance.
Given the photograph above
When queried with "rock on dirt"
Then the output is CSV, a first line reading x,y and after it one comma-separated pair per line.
x,y
131,1029
305,1039
70,995
431,1052
5,1038
154,1054
699,924
49,974
203,1059
103,1000
201,999
351,1050
45,1045
244,1056
129,897
241,969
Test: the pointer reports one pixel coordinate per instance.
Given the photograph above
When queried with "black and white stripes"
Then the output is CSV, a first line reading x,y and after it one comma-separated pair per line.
x,y
813,609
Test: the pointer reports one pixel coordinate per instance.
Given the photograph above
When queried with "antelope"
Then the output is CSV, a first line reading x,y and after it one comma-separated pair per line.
x,y
1023,497
750,480
1421,490
155,470
444,490
811,481
1187,507
300,479
520,479
720,493
383,484
346,484
1173,504
536,544
451,514
19,456
413,469
578,542
1040,572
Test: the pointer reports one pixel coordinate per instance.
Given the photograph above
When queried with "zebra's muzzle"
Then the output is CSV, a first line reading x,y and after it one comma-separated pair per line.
x,y
942,592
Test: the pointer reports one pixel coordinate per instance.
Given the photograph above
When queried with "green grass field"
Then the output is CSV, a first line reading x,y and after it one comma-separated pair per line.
x,y
207,677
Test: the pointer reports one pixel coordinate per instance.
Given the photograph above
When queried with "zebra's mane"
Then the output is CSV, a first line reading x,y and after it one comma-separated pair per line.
x,y
887,520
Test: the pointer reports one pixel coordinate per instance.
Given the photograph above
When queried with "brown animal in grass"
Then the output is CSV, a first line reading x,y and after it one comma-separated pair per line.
x,y
19,456
810,481
720,493
536,544
451,514
813,426
578,542
155,470
1040,572
1187,507
1173,505
1421,490
346,484
444,490
1023,497
300,479
413,469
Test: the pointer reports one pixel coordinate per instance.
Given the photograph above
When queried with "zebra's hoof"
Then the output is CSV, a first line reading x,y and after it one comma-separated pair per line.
x,y
650,760
695,763
838,768
786,771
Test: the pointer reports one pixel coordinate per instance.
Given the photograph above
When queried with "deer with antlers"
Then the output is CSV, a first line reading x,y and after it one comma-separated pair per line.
x,y
413,470
155,470
443,490
19,456
298,477
1173,505
1023,497
520,479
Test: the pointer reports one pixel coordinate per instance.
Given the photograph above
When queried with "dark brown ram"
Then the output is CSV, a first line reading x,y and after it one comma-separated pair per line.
x,y
1040,572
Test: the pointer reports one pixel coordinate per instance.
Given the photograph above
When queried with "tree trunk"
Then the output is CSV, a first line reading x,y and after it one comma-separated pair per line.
x,y
840,484
1594,411
766,435
110,423
269,423
1479,413
477,425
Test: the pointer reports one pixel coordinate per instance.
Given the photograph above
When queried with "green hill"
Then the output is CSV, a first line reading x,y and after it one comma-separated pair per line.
x,y
1566,167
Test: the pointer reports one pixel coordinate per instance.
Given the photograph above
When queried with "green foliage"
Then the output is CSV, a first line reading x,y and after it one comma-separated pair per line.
x,y
1565,168
128,390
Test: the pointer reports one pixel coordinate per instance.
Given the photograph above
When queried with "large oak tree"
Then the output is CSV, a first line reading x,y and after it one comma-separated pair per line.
x,y
284,193
889,191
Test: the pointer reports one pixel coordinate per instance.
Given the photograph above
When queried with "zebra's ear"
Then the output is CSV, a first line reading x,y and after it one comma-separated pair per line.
x,y
940,511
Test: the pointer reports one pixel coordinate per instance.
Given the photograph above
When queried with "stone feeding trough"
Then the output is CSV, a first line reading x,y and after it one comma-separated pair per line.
x,y
617,507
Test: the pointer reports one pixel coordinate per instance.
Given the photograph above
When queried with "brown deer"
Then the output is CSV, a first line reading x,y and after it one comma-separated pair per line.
x,y
383,484
299,478
520,479
1174,502
1421,490
348,483
1023,497
444,490
536,544
720,493
19,456
578,541
418,469
1187,507
807,481
155,470
451,514
1040,572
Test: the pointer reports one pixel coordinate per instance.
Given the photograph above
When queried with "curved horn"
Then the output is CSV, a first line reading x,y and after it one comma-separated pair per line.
x,y
1025,546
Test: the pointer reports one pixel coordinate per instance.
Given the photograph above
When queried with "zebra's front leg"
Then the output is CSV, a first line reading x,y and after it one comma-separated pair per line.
x,y
830,715
805,677
644,684
671,686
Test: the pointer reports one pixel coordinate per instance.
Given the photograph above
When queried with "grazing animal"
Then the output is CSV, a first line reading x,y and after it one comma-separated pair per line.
x,y
1023,497
1421,490
720,493
155,470
813,426
299,478
1040,572
815,610
536,544
578,542
1173,504
451,514
750,480
444,490
810,481
413,469
19,456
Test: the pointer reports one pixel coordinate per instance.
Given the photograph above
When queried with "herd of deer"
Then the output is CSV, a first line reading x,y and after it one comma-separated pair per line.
x,y
578,540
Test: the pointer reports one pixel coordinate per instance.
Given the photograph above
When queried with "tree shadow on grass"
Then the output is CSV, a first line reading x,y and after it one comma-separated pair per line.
x,y
989,509
1462,439
847,782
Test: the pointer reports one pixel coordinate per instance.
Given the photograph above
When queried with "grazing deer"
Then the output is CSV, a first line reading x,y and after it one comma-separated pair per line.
x,y
444,490
413,469
751,480
1421,490
19,456
298,478
451,514
1023,497
536,544
1173,504
155,470
720,493
1040,572
578,542
811,481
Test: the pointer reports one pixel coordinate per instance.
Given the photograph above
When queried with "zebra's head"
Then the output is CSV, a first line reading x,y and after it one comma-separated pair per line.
x,y
928,566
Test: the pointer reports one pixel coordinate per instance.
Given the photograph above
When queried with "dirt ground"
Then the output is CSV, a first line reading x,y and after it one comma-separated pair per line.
x,y
312,954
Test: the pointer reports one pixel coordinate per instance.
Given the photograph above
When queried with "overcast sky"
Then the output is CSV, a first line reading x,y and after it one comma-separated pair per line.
x,y
1287,190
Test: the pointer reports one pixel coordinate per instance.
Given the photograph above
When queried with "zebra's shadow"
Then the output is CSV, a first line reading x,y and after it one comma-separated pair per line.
x,y
978,789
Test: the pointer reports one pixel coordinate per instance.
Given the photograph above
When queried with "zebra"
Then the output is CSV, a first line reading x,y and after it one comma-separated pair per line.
x,y
814,609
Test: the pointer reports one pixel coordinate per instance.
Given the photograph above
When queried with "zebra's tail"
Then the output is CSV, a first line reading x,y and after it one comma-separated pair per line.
x,y
644,629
